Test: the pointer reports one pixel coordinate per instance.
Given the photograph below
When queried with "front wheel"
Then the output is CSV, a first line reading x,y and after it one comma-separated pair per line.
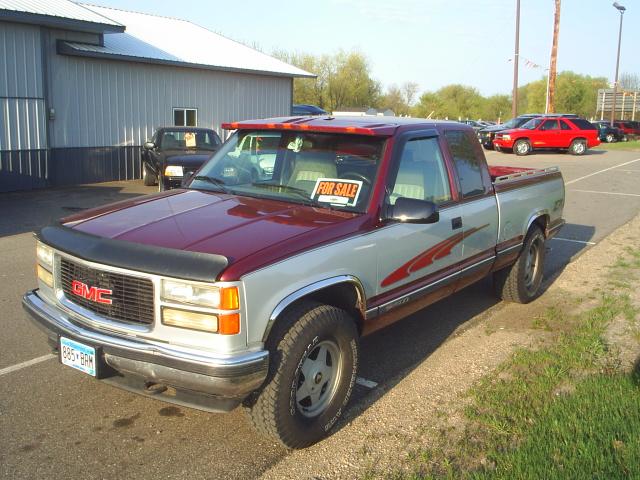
x,y
521,281
313,367
148,178
522,147
578,147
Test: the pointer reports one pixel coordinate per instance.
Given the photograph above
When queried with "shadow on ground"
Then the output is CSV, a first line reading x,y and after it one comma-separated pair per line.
x,y
29,211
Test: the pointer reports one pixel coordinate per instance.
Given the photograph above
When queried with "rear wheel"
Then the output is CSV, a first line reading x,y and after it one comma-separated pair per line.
x,y
578,147
521,281
312,371
148,178
522,147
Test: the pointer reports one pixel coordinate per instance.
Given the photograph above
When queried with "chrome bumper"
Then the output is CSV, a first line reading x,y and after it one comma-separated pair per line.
x,y
203,381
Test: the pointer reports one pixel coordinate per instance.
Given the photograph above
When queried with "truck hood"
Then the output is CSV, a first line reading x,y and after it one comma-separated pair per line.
x,y
242,229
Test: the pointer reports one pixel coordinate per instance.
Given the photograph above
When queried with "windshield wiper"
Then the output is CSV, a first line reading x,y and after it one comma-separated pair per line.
x,y
215,181
300,192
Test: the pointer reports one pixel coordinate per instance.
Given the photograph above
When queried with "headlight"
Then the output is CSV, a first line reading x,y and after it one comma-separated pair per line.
x,y
44,255
223,298
506,137
174,171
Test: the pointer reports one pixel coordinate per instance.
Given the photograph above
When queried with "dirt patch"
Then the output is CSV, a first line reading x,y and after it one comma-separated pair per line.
x,y
381,434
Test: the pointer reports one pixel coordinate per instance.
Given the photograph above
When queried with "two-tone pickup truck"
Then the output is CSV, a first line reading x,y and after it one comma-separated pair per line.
x,y
255,291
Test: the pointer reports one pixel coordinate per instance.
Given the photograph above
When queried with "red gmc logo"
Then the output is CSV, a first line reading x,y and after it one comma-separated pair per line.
x,y
94,294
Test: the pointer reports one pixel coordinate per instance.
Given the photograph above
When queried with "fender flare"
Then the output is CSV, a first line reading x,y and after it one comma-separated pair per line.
x,y
311,288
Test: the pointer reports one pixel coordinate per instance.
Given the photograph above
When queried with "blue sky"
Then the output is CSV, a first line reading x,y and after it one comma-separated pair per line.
x,y
431,42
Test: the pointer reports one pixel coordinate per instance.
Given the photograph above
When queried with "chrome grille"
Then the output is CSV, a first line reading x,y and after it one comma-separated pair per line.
x,y
132,297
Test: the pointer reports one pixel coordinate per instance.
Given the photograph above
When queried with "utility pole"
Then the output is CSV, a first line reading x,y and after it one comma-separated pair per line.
x,y
514,101
621,9
553,66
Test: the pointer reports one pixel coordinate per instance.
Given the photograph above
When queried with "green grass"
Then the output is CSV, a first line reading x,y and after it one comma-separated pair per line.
x,y
632,145
565,410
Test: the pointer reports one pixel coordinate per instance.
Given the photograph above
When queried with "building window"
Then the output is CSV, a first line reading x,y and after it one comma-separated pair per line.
x,y
185,117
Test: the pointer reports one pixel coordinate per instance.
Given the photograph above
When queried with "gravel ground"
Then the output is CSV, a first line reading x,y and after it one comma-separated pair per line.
x,y
380,433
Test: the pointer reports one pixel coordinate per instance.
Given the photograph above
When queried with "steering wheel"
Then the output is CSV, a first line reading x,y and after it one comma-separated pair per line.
x,y
358,176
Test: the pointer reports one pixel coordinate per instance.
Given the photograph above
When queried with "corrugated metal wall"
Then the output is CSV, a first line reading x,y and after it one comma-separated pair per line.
x,y
23,137
105,103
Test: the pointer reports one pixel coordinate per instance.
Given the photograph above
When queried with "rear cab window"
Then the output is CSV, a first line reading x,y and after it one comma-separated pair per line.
x,y
467,161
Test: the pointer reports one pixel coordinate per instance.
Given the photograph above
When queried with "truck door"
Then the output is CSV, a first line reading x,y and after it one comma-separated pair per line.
x,y
415,259
479,220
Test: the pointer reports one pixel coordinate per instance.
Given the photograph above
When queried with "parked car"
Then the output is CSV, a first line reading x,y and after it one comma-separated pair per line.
x,y
303,109
476,125
255,292
486,135
628,127
175,153
549,132
609,134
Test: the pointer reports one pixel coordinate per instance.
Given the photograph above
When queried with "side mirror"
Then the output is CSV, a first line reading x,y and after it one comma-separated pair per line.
x,y
149,145
411,210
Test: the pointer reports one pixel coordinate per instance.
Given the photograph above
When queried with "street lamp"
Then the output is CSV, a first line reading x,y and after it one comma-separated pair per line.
x,y
621,9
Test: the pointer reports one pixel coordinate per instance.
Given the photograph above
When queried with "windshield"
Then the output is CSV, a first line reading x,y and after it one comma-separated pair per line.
x,y
184,140
319,169
532,124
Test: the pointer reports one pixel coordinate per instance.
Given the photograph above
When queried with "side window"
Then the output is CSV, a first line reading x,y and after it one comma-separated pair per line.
x,y
422,174
468,165
550,125
564,126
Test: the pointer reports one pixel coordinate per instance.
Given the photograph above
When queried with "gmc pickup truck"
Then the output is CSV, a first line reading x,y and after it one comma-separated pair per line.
x,y
237,290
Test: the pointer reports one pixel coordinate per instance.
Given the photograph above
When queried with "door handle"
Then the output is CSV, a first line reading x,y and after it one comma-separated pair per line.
x,y
456,223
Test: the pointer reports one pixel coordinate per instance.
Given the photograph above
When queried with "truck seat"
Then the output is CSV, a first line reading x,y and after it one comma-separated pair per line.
x,y
309,167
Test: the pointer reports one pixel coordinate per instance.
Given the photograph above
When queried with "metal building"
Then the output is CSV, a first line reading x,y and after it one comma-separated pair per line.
x,y
82,87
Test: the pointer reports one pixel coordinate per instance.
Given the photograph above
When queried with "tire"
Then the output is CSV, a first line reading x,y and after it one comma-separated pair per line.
x,y
295,410
609,138
148,178
522,147
521,282
578,147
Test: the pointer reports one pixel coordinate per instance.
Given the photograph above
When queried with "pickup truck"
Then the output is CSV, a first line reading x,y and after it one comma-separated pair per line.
x,y
242,291
576,135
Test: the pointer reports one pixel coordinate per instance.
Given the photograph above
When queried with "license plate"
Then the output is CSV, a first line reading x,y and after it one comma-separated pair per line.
x,y
77,355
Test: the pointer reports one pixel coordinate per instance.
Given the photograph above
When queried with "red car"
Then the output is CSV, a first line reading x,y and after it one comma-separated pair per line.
x,y
574,134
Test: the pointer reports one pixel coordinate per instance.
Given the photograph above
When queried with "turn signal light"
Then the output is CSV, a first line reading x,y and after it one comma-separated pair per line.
x,y
45,276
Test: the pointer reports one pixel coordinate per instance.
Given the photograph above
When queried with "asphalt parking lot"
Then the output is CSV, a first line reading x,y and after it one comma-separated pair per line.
x,y
55,422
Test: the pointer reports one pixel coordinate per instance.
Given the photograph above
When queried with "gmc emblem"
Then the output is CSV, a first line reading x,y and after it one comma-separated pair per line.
x,y
94,294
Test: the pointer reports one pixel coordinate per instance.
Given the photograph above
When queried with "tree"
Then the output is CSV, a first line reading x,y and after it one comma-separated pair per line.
x,y
630,81
343,79
395,100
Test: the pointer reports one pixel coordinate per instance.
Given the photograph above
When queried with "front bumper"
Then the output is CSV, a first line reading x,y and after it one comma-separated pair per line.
x,y
197,380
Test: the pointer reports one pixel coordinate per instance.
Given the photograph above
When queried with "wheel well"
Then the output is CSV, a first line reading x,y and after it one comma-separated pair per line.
x,y
542,221
344,295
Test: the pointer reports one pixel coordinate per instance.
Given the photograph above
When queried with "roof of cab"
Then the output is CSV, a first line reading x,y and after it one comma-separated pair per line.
x,y
379,126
